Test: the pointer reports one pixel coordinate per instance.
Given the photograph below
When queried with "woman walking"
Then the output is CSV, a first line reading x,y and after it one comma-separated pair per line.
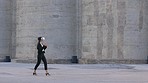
x,y
41,46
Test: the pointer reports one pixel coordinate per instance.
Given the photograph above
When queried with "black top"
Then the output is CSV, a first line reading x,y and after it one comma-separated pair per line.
x,y
41,49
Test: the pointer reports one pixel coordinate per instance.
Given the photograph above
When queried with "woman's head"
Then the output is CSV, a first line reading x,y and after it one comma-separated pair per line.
x,y
41,39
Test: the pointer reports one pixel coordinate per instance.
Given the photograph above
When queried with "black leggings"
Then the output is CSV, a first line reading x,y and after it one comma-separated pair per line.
x,y
43,58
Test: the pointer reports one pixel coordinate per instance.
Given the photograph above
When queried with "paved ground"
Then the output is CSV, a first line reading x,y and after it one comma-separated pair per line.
x,y
74,73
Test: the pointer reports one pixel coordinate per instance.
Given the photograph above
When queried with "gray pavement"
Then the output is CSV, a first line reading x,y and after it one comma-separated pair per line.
x,y
74,73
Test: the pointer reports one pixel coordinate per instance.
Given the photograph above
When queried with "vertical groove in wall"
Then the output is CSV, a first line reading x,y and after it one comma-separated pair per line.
x,y
110,24
13,29
79,27
141,15
99,23
121,7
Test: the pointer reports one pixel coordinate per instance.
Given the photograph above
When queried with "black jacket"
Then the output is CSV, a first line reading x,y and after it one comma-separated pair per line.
x,y
41,49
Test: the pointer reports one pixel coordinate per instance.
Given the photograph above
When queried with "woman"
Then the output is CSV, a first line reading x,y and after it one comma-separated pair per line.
x,y
41,50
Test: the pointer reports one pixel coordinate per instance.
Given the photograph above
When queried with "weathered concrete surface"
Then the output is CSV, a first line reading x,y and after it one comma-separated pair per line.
x,y
114,31
22,73
53,19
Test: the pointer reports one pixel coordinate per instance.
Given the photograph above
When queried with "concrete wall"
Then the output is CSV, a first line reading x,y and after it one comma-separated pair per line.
x,y
53,19
97,31
114,31
5,28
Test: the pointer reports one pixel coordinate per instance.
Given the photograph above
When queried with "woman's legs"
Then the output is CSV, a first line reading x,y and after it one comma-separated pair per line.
x,y
45,65
38,62
43,58
45,62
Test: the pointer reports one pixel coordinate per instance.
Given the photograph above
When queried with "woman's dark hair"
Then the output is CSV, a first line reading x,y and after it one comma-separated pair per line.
x,y
39,38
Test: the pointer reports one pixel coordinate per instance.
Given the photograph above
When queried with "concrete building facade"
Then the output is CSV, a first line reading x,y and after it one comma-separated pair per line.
x,y
96,31
114,31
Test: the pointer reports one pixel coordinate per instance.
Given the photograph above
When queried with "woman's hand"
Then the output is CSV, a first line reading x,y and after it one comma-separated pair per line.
x,y
44,43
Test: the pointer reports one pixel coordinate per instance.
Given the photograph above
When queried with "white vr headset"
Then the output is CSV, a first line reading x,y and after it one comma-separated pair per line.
x,y
43,38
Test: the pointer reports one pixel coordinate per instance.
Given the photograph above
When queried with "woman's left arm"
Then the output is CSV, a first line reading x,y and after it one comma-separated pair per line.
x,y
44,47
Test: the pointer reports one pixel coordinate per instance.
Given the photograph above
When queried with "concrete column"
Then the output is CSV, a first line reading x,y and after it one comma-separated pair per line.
x,y
5,28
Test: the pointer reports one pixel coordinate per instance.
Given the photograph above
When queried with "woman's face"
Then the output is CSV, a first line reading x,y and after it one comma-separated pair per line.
x,y
41,41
